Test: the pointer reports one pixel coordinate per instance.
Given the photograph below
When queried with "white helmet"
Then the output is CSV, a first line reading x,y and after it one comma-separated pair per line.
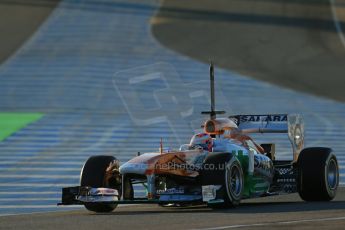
x,y
203,140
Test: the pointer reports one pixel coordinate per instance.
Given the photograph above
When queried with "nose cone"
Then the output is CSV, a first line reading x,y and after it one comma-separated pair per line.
x,y
139,164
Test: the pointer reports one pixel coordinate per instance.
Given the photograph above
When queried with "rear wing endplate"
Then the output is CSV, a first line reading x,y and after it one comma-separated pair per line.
x,y
292,124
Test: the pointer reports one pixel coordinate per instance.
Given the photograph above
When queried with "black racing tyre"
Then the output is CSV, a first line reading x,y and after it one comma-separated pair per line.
x,y
318,174
234,182
92,175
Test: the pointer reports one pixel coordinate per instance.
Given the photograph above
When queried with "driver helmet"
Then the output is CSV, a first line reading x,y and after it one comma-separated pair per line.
x,y
203,140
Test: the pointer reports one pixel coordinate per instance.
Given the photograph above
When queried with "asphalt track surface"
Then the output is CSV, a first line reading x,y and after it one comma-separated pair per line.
x,y
298,44
61,72
19,20
285,212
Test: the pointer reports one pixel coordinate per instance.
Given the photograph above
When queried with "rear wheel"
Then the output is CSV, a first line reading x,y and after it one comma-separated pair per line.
x,y
318,174
93,175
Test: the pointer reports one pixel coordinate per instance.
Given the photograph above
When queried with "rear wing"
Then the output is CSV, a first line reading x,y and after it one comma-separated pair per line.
x,y
292,124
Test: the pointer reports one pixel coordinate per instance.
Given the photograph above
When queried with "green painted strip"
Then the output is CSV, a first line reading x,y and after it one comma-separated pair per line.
x,y
12,122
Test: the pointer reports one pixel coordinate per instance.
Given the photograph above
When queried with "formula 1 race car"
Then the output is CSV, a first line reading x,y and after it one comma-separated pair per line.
x,y
219,167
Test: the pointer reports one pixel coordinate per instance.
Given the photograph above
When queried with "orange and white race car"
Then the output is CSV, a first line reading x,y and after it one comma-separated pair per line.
x,y
218,167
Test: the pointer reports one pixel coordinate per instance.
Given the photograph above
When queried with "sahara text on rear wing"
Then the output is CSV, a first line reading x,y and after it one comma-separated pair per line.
x,y
292,124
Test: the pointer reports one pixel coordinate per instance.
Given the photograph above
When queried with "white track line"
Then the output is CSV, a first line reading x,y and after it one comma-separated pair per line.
x,y
11,157
29,193
13,185
43,176
336,22
56,211
77,169
34,206
28,199
274,223
40,163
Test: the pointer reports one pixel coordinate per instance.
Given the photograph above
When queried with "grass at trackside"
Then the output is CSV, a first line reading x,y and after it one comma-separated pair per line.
x,y
12,122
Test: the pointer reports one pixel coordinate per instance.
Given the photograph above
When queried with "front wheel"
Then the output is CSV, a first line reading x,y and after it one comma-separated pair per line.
x,y
234,182
224,169
93,175
318,174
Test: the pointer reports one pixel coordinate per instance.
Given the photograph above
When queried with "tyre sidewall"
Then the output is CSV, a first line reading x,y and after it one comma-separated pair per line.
x,y
312,183
330,191
232,198
92,175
